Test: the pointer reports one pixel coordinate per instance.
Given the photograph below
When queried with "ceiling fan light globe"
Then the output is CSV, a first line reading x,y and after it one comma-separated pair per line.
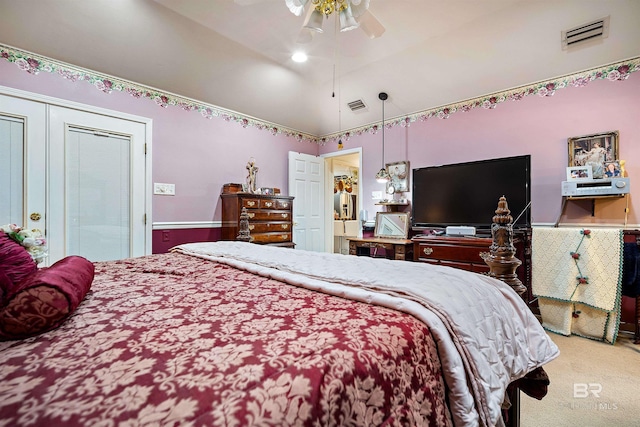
x,y
296,6
314,22
347,21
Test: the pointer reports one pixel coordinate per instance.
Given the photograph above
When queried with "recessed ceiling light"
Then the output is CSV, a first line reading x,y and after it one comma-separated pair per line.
x,y
299,57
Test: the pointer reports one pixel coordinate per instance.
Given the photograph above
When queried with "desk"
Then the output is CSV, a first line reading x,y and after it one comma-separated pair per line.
x,y
401,249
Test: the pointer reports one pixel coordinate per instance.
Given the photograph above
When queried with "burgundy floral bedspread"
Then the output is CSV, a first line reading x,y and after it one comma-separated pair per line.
x,y
174,340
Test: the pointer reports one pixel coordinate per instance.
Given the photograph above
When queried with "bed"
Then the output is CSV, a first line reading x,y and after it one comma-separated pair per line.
x,y
235,334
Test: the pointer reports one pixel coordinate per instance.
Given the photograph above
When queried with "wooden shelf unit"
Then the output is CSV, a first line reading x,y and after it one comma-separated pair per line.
x,y
393,206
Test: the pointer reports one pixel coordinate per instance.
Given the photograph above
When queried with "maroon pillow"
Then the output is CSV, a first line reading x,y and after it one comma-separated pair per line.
x,y
15,262
43,300
5,283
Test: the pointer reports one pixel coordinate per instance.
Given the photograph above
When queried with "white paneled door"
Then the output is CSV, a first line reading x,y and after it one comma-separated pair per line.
x,y
306,184
22,149
79,176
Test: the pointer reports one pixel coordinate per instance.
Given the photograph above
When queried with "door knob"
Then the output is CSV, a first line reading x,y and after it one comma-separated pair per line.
x,y
35,216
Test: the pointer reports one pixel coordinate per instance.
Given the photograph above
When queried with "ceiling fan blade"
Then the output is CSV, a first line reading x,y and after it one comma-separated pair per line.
x,y
370,25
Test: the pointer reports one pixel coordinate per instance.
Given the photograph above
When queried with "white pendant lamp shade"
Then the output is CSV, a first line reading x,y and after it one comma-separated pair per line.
x,y
382,176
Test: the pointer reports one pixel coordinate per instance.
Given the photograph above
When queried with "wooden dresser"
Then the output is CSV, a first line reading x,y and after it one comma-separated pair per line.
x,y
270,217
457,252
464,253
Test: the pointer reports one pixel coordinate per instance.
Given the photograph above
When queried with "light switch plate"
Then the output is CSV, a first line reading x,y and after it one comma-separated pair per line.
x,y
164,189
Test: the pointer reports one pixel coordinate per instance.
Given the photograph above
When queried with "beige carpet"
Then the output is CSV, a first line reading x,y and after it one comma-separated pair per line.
x,y
592,384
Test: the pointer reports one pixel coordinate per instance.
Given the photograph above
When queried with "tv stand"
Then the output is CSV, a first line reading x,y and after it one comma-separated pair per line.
x,y
466,253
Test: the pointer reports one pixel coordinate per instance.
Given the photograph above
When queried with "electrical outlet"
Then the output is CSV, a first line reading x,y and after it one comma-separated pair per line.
x,y
164,189
376,195
165,235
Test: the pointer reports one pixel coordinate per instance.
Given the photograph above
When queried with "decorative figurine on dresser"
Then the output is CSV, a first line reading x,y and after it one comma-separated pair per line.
x,y
252,170
244,235
269,216
501,256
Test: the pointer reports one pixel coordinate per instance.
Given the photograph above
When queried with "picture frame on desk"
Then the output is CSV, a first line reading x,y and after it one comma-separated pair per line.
x,y
612,169
579,173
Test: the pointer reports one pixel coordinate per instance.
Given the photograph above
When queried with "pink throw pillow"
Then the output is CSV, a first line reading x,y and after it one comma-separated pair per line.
x,y
45,299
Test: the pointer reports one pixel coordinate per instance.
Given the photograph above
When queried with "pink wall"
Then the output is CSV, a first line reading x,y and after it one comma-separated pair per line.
x,y
534,125
196,154
200,155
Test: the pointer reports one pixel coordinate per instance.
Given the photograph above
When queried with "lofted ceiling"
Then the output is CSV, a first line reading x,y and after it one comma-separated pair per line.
x,y
236,54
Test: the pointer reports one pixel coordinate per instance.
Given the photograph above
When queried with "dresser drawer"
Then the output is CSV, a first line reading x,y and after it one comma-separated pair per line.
x,y
260,215
269,227
268,204
271,237
463,254
283,204
476,268
250,203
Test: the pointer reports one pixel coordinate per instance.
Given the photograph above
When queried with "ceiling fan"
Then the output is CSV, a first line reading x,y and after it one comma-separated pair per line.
x,y
352,14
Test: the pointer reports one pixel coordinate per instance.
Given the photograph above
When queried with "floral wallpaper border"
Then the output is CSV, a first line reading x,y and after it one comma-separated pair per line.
x,y
33,64
617,71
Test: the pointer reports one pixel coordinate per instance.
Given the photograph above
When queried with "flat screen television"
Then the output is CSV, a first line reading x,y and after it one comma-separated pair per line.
x,y
467,194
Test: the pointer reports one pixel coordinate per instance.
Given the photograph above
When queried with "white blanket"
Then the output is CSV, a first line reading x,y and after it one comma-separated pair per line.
x,y
487,337
577,277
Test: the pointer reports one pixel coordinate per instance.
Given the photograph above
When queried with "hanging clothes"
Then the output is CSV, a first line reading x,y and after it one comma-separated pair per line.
x,y
631,270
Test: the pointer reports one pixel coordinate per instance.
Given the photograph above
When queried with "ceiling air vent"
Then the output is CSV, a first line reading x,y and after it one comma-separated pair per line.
x,y
593,30
357,105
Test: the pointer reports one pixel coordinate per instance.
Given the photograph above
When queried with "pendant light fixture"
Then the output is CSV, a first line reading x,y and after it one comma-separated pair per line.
x,y
382,176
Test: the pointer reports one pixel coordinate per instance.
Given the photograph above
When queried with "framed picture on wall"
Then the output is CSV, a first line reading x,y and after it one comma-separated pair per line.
x,y
399,175
594,150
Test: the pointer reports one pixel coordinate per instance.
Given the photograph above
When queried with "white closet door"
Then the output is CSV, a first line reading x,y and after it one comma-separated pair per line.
x,y
22,162
12,169
97,187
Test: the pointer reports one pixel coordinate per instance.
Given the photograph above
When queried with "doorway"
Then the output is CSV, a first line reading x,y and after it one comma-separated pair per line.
x,y
343,201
